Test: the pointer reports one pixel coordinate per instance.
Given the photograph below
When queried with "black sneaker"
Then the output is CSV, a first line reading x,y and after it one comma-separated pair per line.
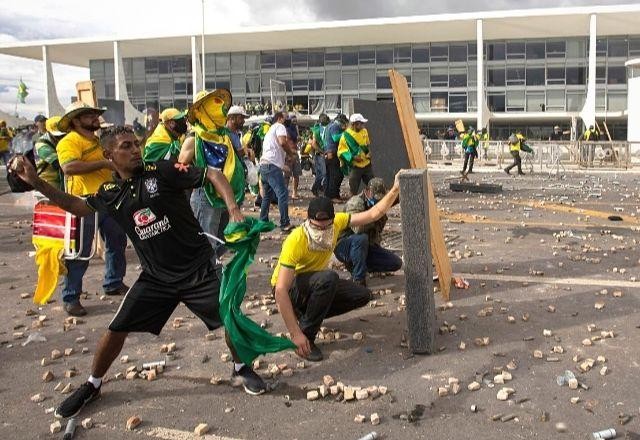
x,y
75,309
315,355
122,290
249,379
73,404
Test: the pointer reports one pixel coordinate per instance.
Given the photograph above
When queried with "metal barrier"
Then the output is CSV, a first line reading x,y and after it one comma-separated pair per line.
x,y
547,156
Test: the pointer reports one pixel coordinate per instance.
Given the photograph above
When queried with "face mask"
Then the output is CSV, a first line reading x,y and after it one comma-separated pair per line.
x,y
319,240
180,126
212,114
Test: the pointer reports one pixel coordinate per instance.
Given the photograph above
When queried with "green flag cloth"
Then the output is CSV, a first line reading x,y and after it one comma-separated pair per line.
x,y
247,337
22,91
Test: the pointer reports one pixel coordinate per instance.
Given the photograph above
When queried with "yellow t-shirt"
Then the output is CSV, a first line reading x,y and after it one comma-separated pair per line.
x,y
296,255
74,146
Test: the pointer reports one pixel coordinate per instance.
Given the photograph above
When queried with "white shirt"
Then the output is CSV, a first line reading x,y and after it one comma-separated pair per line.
x,y
272,152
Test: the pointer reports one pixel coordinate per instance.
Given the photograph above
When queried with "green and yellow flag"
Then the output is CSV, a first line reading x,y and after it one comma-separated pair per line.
x,y
22,91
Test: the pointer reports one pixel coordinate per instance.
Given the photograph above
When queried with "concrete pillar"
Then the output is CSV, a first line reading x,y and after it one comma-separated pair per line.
x,y
130,112
480,75
52,105
196,68
588,113
414,208
633,104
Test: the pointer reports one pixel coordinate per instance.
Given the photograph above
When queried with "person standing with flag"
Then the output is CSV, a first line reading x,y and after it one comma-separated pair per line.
x,y
164,142
354,154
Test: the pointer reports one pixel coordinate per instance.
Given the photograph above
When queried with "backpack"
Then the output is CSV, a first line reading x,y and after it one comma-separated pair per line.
x,y
16,184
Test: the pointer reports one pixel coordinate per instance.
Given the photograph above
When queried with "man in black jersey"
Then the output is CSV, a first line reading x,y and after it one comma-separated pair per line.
x,y
148,202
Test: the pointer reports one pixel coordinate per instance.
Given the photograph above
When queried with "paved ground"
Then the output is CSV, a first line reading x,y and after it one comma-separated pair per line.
x,y
542,250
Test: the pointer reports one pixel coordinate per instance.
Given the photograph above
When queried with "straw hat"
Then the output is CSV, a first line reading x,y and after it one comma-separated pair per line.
x,y
74,110
203,96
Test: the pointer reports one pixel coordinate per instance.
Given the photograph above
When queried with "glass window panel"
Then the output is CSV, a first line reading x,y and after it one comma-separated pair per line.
x,y
300,84
421,103
457,52
420,54
577,48
458,77
439,101
472,75
382,80
556,49
139,89
223,83
367,55
634,46
367,78
535,76
601,74
253,62
439,52
535,50
495,51
316,58
555,99
350,58
299,58
575,101
223,62
555,75
495,102
535,101
616,75
402,54
179,64
151,65
265,82
96,69
472,51
283,59
515,50
166,87
99,86
515,75
253,84
384,55
109,73
237,84
601,98
472,100
439,77
237,62
515,100
138,68
332,78
267,60
420,78
576,75
316,84
616,101
152,88
495,76
617,47
350,80
180,87
332,57
458,102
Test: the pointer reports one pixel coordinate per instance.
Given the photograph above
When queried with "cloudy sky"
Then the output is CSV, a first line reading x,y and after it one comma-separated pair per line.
x,y
26,20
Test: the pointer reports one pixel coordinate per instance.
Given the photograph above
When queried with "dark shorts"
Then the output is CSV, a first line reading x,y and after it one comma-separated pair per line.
x,y
149,303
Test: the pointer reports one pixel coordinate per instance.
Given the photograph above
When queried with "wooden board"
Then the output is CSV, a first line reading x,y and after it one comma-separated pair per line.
x,y
460,126
87,92
418,159
388,153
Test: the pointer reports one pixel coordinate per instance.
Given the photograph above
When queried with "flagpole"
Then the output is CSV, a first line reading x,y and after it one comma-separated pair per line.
x,y
203,63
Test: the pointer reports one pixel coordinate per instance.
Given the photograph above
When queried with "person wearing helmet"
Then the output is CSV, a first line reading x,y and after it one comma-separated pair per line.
x,y
47,155
556,135
470,146
514,147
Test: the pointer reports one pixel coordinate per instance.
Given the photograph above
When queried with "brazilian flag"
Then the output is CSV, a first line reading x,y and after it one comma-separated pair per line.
x,y
22,91
214,149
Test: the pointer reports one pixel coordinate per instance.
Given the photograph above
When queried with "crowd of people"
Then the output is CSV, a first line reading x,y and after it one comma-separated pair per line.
x,y
173,192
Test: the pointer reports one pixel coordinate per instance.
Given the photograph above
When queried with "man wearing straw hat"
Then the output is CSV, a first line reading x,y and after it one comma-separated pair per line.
x,y
85,169
210,146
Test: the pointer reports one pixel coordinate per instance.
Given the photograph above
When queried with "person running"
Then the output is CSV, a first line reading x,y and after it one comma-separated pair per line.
x,y
514,148
148,202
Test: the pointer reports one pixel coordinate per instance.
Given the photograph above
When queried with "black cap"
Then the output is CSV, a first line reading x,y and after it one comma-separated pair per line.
x,y
40,118
320,208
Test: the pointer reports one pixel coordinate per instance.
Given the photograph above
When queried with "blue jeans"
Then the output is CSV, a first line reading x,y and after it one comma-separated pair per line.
x,y
361,257
274,188
321,174
212,220
115,262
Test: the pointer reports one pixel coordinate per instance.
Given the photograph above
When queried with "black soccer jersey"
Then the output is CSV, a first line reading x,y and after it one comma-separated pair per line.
x,y
155,214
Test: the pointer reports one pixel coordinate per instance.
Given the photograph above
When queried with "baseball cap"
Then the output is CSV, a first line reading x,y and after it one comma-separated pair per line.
x,y
237,110
320,208
357,117
377,188
169,114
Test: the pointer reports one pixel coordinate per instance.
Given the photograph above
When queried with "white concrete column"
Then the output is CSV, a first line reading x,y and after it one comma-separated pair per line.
x,y
130,112
196,73
633,104
51,103
588,113
483,114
